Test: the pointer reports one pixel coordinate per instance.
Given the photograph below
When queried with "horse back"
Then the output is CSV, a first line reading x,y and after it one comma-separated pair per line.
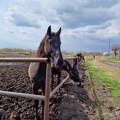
x,y
33,69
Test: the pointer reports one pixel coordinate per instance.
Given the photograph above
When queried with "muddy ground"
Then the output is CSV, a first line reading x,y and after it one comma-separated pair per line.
x,y
71,103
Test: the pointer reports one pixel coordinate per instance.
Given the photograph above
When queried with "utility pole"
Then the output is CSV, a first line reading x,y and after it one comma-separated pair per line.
x,y
109,46
119,51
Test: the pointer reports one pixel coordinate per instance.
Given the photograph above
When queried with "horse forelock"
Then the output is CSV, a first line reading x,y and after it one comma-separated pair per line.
x,y
55,34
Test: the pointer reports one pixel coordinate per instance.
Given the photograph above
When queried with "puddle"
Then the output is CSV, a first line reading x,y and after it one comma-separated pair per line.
x,y
13,64
113,64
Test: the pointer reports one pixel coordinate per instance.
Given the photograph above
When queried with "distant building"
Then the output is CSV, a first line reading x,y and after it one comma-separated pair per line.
x,y
106,54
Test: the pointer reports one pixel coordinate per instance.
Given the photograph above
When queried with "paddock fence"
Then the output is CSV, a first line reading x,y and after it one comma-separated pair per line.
x,y
48,92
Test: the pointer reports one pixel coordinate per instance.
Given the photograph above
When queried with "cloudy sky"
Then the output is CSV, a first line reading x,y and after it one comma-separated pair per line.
x,y
87,25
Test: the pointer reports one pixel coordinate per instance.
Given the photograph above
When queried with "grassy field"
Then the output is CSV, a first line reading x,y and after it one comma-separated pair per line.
x,y
109,75
113,59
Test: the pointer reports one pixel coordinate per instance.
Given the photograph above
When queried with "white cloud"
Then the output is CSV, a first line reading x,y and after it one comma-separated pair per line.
x,y
86,25
19,17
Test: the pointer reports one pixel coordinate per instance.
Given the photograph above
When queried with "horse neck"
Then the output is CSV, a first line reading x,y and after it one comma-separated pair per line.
x,y
67,67
40,51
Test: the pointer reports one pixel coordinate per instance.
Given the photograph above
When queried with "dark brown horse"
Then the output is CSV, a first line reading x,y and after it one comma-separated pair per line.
x,y
72,71
49,48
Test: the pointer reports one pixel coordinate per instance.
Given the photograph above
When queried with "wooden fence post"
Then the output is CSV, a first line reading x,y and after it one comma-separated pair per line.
x,y
47,89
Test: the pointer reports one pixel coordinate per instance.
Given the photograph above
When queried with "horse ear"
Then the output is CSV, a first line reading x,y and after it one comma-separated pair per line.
x,y
59,31
49,30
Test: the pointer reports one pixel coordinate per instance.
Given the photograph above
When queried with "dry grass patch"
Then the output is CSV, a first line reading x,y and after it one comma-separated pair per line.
x,y
112,71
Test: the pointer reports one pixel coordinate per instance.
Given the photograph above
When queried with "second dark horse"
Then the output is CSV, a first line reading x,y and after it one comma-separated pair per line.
x,y
73,73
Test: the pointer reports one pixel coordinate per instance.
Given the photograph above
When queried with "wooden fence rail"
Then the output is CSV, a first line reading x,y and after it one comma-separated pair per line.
x,y
48,94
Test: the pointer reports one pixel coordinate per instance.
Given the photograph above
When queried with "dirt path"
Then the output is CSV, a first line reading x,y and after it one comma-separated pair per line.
x,y
113,71
72,103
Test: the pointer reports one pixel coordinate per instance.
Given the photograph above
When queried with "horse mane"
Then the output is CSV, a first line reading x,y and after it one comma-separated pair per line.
x,y
40,51
68,64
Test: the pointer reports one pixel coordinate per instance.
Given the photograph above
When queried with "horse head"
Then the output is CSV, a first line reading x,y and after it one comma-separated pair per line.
x,y
52,46
74,75
73,72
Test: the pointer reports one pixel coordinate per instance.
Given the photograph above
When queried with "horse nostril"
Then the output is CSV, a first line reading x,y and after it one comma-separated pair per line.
x,y
79,84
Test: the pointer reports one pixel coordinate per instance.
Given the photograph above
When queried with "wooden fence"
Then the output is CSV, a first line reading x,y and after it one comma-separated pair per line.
x,y
48,93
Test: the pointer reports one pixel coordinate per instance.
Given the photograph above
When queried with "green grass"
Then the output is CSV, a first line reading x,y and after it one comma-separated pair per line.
x,y
97,83
101,97
113,59
105,79
111,107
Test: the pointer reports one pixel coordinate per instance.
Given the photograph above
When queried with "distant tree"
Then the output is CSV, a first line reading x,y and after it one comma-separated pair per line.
x,y
115,48
119,51
67,53
92,54
17,50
